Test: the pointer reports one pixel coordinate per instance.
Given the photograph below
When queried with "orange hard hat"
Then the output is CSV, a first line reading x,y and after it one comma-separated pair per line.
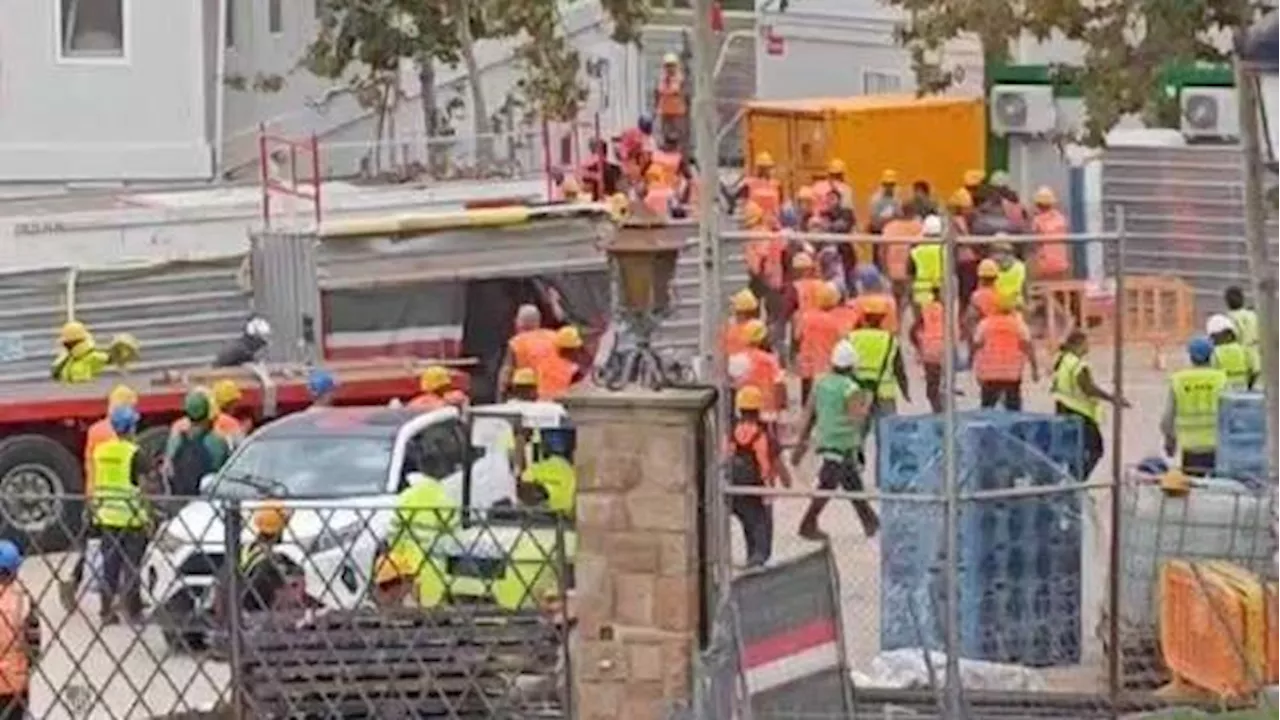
x,y
802,261
836,167
270,519
973,178
745,301
1044,196
524,377
829,296
961,199
755,331
748,398
568,338
875,305
804,193
988,268
764,160
889,177
434,377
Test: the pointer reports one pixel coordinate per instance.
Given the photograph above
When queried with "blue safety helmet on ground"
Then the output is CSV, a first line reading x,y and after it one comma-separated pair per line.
x,y
320,382
1200,350
123,419
10,557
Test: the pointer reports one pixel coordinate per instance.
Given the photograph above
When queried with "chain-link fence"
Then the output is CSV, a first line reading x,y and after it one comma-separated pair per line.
x,y
229,608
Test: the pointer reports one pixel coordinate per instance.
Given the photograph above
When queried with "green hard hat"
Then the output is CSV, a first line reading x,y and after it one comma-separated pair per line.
x,y
196,405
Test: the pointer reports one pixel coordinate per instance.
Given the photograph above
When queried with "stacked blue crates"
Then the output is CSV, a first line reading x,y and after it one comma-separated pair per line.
x,y
1019,557
1242,430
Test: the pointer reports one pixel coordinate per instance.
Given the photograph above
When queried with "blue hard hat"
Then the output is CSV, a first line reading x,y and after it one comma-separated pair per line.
x,y
320,381
645,123
10,557
788,217
1200,350
558,441
868,276
123,419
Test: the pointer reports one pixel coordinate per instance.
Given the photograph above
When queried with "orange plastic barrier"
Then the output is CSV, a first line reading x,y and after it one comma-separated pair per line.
x,y
1159,311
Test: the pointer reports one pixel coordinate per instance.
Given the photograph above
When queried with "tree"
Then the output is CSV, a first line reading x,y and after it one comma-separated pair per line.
x,y
1128,45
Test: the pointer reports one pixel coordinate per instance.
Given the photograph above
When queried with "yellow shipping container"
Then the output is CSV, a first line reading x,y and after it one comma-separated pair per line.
x,y
935,139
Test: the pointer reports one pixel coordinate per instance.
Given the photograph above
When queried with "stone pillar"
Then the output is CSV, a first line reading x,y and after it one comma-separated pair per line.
x,y
637,581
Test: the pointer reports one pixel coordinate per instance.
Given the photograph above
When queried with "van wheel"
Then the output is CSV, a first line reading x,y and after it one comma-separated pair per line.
x,y
40,505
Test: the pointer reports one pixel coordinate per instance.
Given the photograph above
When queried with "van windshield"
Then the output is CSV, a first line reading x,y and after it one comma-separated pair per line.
x,y
311,466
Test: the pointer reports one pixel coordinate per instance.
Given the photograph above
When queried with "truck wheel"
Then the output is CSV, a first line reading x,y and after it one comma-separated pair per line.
x,y
40,508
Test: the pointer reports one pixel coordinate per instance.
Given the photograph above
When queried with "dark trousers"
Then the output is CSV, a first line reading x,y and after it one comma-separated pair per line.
x,y
1199,464
841,474
1092,439
122,552
757,526
13,707
1006,392
933,386
806,387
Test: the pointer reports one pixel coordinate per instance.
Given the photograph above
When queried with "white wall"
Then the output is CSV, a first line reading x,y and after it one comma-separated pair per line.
x,y
140,116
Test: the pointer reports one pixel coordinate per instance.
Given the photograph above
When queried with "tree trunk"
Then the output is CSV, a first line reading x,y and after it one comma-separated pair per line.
x,y
479,112
430,112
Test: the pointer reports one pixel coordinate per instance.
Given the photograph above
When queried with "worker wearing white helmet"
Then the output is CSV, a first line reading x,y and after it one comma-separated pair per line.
x,y
838,410
1230,355
924,264
670,100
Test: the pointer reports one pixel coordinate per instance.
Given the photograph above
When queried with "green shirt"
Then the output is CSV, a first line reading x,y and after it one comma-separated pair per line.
x,y
214,444
836,430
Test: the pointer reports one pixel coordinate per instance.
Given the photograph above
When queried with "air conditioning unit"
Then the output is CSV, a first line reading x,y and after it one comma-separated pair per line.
x,y
1022,110
1209,113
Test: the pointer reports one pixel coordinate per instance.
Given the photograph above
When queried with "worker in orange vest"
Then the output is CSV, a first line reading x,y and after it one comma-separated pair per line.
x,y
100,431
972,184
765,261
762,188
753,460
927,337
817,330
872,292
669,100
834,182
434,382
982,302
1051,260
19,635
1001,348
806,208
907,228
528,346
759,366
668,157
227,396
806,290
746,308
563,369
658,190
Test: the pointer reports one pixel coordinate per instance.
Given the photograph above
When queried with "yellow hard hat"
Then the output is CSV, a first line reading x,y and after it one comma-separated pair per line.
x,y
270,519
1044,196
835,167
670,59
748,398
802,261
568,338
73,332
961,199
755,331
764,160
745,301
226,392
655,173
524,377
1007,302
988,268
388,569
973,178
124,348
619,206
875,305
804,193
752,214
829,296
434,377
121,396
889,177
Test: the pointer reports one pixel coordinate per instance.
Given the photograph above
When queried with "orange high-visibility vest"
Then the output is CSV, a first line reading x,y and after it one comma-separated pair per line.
x,y
658,199
671,95
734,339
847,315
765,372
765,192
817,332
99,433
555,377
1000,358
15,668
931,333
764,260
895,256
1051,258
669,162
890,322
528,348
808,293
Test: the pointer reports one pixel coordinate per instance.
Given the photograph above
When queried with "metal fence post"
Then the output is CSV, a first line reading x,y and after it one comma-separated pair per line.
x,y
951,626
232,527
1115,657
562,575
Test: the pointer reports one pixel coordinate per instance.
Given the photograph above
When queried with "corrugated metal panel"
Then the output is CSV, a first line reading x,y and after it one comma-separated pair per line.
x,y
286,291
181,312
1184,215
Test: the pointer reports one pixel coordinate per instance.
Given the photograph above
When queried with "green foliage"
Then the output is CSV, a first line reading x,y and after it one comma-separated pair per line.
x,y
1128,44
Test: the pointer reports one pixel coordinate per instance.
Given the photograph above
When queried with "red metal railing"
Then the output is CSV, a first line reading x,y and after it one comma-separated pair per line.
x,y
268,147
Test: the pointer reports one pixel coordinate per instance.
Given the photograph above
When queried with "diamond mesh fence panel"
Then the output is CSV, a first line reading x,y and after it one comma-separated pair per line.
x,y
198,610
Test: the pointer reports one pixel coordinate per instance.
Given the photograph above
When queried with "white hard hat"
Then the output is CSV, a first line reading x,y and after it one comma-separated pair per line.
x,y
739,365
843,355
932,226
1219,323
257,327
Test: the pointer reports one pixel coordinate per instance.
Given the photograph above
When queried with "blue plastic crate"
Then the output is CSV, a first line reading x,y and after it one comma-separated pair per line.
x,y
1241,437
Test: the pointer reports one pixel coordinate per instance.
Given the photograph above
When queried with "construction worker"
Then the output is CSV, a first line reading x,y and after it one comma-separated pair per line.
x,y
762,188
817,330
982,301
763,370
1246,321
19,636
906,227
839,409
1051,259
559,372
636,141
659,191
195,450
1190,421
1076,394
922,199
392,582
884,204
322,386
668,157
972,184
524,385
424,515
960,207
872,291
263,574
1001,348
924,264
807,288
226,397
927,336
553,471
434,383
765,259
1011,278
835,183
880,368
669,100
746,307
806,207
1230,355
529,345
753,461
80,360
120,515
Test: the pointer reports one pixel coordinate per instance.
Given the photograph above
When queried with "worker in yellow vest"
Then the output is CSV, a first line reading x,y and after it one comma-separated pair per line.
x,y
880,367
1246,321
924,263
1190,422
263,574
424,517
552,473
1076,394
1011,278
1230,355
120,515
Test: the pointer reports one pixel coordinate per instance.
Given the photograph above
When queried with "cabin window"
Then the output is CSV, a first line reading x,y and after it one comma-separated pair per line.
x,y
876,83
230,19
275,17
91,29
